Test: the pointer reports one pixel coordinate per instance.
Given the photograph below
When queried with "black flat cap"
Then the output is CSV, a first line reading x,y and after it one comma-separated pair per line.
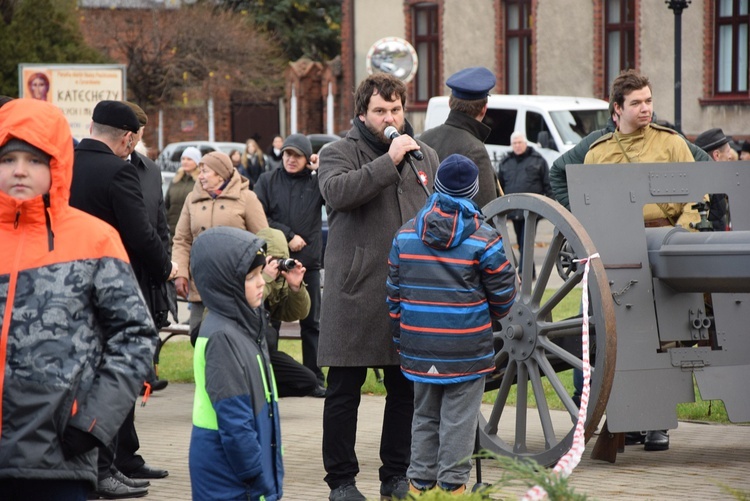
x,y
471,83
711,139
116,114
746,146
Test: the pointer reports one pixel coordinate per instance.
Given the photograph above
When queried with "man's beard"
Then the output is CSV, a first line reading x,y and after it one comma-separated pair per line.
x,y
380,133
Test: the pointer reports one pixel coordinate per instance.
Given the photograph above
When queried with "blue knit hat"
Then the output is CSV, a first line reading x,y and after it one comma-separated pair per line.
x,y
458,177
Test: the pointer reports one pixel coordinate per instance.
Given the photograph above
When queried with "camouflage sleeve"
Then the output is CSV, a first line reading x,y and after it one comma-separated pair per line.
x,y
129,340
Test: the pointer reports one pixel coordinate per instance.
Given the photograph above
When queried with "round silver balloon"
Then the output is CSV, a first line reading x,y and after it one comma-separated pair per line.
x,y
393,55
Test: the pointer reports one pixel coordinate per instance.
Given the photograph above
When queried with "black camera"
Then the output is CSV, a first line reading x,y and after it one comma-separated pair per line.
x,y
285,263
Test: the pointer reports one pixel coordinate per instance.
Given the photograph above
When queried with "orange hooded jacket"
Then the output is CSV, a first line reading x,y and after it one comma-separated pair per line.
x,y
77,340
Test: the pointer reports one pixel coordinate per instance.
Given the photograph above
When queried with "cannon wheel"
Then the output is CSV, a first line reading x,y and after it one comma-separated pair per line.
x,y
531,346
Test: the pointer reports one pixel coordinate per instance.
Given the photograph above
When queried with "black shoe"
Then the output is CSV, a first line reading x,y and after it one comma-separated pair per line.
x,y
319,392
635,437
156,385
146,471
346,492
657,440
130,482
396,487
111,488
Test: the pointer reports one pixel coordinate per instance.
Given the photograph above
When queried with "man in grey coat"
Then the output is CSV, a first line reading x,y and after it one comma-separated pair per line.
x,y
370,191
463,132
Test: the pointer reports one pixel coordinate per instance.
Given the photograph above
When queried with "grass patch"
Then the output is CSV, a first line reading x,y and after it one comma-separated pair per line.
x,y
176,361
176,365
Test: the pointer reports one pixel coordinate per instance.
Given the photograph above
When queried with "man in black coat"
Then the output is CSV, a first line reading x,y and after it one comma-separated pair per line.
x,y
292,202
149,176
716,144
464,132
106,186
523,170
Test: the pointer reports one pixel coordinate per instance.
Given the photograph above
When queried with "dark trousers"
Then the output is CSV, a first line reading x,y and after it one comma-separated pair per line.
x,y
292,378
121,453
43,490
340,424
310,326
126,459
519,226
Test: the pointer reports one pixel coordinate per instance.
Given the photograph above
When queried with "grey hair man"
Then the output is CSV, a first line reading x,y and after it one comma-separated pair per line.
x,y
523,170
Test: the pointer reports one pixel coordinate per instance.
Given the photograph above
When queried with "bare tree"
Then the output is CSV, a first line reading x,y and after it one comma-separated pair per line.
x,y
169,51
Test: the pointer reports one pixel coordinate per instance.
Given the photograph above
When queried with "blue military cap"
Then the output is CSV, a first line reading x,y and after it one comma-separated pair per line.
x,y
471,83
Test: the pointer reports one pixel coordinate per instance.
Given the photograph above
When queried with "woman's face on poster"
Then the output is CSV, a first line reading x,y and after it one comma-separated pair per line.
x,y
38,88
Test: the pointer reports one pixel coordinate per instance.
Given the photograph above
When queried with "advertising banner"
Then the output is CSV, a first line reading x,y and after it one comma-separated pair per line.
x,y
74,88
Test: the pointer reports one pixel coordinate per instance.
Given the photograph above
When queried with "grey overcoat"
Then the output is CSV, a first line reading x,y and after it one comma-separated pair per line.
x,y
367,202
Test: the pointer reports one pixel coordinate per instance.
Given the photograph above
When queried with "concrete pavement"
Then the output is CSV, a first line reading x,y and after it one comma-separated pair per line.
x,y
702,457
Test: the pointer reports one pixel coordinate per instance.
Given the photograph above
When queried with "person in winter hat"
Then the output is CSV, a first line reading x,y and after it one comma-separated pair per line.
x,y
77,337
182,184
220,197
448,280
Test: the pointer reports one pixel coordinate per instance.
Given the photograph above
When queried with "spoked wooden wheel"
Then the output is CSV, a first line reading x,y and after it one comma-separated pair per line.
x,y
532,347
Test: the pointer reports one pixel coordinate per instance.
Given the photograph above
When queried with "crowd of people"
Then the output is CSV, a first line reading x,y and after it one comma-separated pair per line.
x,y
94,252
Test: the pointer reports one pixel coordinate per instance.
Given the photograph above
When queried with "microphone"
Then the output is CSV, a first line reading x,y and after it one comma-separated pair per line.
x,y
392,133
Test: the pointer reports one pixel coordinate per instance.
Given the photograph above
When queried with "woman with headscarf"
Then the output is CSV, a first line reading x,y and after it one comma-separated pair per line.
x,y
182,184
221,197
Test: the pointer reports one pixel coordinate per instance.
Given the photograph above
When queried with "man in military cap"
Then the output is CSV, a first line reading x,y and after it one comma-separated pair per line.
x,y
463,132
106,186
716,144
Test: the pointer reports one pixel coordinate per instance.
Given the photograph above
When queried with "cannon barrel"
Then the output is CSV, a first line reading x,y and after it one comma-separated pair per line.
x,y
700,262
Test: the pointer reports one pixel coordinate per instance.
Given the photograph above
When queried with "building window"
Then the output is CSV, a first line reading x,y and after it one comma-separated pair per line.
x,y
426,39
619,39
731,47
518,46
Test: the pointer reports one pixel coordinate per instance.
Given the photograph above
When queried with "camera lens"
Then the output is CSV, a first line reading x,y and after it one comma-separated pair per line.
x,y
286,264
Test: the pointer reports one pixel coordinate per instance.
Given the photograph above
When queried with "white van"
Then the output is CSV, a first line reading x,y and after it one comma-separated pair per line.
x,y
553,124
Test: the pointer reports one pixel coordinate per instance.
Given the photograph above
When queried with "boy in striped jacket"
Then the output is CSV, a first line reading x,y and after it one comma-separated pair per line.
x,y
448,280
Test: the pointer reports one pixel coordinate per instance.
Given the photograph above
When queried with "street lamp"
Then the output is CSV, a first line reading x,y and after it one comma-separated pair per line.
x,y
678,6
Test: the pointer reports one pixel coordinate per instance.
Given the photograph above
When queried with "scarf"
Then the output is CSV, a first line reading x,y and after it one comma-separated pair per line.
x,y
377,145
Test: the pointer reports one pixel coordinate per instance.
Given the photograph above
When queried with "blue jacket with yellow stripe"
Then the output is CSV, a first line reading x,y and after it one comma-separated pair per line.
x,y
235,447
448,279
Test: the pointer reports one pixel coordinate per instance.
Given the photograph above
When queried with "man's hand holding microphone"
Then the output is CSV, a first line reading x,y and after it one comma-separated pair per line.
x,y
401,145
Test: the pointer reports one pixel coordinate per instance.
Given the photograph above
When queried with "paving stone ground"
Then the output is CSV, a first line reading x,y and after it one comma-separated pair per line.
x,y
702,457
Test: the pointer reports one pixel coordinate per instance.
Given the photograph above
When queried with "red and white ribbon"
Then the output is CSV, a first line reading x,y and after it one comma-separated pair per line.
x,y
569,461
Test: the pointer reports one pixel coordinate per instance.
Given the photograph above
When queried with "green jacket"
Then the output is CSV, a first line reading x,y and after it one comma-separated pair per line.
x,y
182,184
282,302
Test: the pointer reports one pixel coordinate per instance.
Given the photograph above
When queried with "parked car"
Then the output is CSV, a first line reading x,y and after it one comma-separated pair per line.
x,y
552,124
169,158
320,140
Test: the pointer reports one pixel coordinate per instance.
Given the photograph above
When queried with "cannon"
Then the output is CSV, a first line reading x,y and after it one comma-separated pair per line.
x,y
668,308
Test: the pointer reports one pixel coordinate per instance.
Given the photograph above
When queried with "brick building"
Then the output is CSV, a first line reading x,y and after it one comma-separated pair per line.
x,y
565,47
215,108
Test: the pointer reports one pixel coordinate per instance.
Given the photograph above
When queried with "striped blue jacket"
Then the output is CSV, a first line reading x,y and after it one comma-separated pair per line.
x,y
448,279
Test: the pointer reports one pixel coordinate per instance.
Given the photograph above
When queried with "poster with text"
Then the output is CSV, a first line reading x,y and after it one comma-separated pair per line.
x,y
74,88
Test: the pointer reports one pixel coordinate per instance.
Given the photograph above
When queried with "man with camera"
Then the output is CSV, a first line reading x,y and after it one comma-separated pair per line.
x,y
292,201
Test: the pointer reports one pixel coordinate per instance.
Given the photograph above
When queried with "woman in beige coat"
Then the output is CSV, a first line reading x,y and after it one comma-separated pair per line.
x,y
221,197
